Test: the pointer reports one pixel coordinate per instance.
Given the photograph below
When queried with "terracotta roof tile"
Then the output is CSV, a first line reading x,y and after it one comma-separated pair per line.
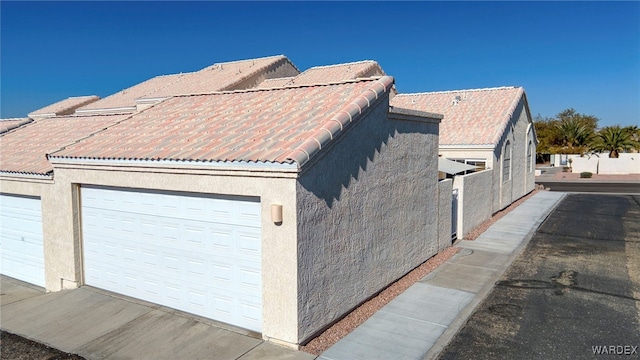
x,y
63,107
127,97
25,149
328,74
217,77
276,125
12,123
275,83
471,117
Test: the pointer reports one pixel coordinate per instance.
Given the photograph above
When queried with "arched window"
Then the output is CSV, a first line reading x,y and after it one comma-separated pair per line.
x,y
506,162
529,156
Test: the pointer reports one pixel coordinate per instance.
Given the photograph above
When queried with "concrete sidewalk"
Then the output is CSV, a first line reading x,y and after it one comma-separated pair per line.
x,y
420,322
97,325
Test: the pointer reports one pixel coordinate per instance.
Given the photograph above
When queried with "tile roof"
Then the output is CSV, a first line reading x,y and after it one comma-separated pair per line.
x,y
471,117
283,125
63,107
24,150
126,99
12,123
275,83
332,73
217,77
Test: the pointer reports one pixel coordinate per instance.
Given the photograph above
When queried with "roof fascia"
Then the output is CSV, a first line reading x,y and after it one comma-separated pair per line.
x,y
404,114
489,147
17,176
178,165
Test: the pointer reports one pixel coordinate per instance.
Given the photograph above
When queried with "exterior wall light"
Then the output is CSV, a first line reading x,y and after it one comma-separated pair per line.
x,y
276,214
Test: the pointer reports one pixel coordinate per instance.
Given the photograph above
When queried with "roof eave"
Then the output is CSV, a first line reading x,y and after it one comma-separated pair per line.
x,y
16,175
237,165
338,123
467,146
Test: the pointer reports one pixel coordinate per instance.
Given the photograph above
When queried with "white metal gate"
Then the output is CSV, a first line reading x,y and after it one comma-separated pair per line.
x,y
454,215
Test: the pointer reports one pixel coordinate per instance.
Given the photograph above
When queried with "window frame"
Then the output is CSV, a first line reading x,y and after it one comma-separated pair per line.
x,y
506,162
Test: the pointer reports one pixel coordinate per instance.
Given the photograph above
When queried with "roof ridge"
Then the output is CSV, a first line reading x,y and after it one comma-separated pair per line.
x,y
335,124
285,87
462,90
243,60
14,118
509,114
341,64
82,96
281,59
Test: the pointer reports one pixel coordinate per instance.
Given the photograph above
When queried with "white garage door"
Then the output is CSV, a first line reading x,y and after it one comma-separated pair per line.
x,y
21,242
196,253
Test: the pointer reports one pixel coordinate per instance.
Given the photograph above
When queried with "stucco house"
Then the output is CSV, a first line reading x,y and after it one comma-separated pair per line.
x,y
488,128
275,210
491,130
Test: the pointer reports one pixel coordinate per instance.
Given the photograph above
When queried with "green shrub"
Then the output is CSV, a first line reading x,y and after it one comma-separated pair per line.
x,y
565,169
585,175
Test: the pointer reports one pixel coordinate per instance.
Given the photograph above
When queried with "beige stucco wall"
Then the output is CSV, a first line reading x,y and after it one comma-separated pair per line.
x,y
522,181
445,188
473,191
279,252
367,214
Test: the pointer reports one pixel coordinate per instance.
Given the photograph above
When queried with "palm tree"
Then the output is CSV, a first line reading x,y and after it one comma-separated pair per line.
x,y
615,140
574,135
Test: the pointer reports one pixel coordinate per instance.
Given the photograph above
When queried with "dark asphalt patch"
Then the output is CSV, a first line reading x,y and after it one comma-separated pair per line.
x,y
568,292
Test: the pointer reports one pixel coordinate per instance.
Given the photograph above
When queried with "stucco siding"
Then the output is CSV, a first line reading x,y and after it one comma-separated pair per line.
x,y
445,188
519,159
474,190
367,214
279,278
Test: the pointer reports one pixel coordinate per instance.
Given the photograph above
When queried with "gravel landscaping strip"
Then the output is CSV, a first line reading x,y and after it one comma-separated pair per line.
x,y
358,316
16,347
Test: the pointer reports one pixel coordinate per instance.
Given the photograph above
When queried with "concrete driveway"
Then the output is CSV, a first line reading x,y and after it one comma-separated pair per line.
x,y
97,325
574,293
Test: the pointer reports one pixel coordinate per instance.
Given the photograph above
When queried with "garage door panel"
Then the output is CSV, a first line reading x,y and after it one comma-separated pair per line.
x,y
196,254
21,240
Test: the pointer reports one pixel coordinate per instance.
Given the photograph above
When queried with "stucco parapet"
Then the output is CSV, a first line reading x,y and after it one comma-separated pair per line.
x,y
404,114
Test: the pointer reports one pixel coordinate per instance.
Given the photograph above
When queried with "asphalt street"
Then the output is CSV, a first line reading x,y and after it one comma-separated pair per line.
x,y
593,187
574,292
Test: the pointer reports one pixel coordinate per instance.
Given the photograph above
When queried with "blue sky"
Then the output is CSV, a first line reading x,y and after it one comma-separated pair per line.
x,y
584,55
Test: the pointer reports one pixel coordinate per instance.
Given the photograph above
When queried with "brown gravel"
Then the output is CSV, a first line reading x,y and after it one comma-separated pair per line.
x,y
358,316
16,347
473,234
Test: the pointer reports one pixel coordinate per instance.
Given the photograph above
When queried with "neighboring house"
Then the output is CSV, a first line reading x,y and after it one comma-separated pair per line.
x,y
274,210
327,74
491,130
64,107
234,75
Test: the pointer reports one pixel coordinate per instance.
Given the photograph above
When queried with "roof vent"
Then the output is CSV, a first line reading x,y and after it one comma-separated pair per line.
x,y
456,100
